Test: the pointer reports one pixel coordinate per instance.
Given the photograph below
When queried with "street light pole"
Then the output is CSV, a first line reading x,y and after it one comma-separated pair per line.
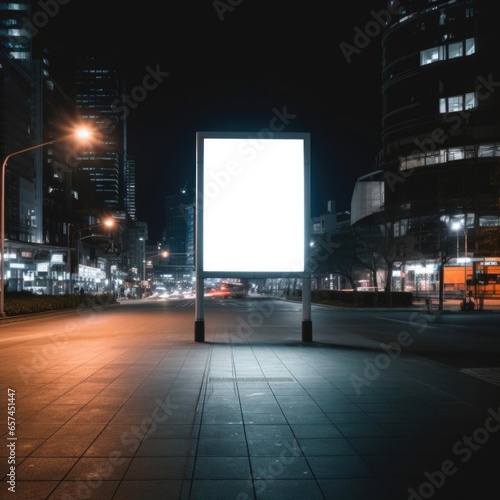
x,y
2,219
109,222
456,226
465,260
83,134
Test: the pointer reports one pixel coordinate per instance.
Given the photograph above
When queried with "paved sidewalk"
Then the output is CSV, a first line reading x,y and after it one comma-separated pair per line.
x,y
253,417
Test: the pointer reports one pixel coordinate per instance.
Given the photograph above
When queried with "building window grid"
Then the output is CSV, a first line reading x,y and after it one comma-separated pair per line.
x,y
451,154
450,51
457,103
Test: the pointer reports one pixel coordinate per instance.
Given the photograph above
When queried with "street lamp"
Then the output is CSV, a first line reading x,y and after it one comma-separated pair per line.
x,y
456,226
150,256
81,133
109,222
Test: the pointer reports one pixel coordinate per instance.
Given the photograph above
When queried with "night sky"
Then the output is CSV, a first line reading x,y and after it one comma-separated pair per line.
x,y
232,66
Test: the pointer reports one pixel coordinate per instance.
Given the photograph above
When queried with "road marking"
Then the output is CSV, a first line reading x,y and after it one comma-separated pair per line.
x,y
491,375
405,322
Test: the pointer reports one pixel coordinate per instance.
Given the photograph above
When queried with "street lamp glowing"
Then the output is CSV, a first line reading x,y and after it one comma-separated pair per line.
x,y
79,133
83,133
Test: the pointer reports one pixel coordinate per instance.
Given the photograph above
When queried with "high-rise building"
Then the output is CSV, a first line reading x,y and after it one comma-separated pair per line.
x,y
16,30
20,127
440,157
101,167
441,122
178,236
130,189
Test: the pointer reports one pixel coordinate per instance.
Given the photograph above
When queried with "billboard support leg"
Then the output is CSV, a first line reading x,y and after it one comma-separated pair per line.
x,y
306,310
199,323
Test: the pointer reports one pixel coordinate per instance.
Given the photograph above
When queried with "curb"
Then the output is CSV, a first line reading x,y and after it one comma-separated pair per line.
x,y
46,314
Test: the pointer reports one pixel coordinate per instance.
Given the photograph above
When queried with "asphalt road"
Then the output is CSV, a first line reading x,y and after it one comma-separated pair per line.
x,y
461,340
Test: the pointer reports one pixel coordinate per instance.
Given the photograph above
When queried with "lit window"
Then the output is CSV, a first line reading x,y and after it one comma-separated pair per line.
x,y
486,150
455,103
414,161
442,105
470,100
431,55
470,46
455,50
455,154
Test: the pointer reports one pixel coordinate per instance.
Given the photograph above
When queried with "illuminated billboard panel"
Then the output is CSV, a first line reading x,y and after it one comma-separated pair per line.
x,y
252,207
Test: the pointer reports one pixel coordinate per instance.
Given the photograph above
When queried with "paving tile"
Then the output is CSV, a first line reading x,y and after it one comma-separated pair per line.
x,y
217,489
326,447
99,469
286,489
24,447
355,489
165,431
45,469
155,468
284,467
274,447
293,417
222,468
250,408
234,431
95,490
264,418
377,446
32,490
229,417
350,418
165,447
349,466
254,432
315,431
362,430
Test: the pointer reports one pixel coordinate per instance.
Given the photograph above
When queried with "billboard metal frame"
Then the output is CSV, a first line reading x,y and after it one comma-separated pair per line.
x,y
201,273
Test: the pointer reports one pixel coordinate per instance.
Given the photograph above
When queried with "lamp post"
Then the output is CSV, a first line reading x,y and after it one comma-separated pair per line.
x,y
147,261
109,222
81,133
456,226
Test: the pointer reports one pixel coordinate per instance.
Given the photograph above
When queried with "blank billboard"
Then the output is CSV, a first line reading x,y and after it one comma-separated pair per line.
x,y
252,204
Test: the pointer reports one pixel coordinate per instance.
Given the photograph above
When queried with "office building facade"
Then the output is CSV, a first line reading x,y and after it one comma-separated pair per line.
x,y
101,166
441,133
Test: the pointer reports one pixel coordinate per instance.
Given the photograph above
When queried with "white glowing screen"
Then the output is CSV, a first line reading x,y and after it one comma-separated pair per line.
x,y
253,205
